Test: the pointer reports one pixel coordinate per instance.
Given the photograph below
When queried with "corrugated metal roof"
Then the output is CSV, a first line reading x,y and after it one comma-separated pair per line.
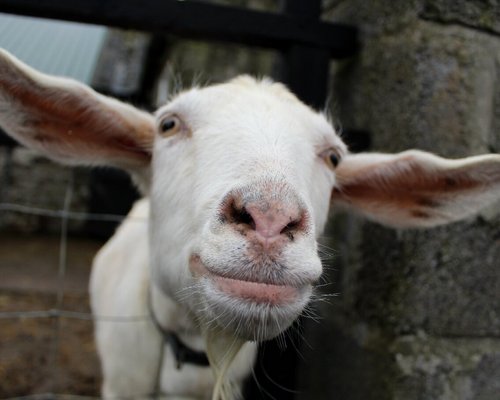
x,y
54,47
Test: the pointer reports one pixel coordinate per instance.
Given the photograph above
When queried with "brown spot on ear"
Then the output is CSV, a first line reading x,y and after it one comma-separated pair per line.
x,y
419,214
450,182
458,183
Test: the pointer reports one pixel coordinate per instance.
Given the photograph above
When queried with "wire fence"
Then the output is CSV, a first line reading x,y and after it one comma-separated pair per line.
x,y
57,314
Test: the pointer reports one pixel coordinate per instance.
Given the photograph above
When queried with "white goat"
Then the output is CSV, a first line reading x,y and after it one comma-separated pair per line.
x,y
240,177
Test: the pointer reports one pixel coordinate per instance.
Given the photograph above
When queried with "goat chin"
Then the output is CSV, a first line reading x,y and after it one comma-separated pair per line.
x,y
250,310
250,320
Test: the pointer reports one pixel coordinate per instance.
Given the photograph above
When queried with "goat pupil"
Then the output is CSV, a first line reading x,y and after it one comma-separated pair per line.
x,y
334,159
167,125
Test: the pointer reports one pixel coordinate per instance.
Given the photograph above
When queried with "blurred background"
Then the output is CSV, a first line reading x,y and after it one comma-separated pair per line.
x,y
417,315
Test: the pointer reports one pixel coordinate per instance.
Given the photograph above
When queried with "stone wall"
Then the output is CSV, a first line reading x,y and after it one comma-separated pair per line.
x,y
418,312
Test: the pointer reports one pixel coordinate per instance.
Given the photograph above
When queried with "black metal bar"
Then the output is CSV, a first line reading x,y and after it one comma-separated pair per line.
x,y
306,71
305,67
303,9
191,19
154,62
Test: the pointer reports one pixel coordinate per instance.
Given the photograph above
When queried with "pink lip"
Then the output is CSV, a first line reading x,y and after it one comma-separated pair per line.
x,y
254,291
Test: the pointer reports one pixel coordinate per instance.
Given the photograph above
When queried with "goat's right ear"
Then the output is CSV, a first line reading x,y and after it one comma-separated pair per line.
x,y
415,188
69,122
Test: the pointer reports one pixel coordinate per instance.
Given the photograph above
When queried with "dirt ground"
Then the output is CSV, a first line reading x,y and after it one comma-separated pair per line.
x,y
45,355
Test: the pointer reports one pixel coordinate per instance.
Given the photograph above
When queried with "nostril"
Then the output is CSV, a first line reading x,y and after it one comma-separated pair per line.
x,y
292,228
240,216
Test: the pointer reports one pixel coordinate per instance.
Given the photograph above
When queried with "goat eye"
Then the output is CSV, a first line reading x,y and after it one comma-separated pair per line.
x,y
332,158
170,125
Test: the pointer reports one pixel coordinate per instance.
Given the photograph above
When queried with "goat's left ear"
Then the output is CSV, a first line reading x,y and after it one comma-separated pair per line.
x,y
416,189
69,122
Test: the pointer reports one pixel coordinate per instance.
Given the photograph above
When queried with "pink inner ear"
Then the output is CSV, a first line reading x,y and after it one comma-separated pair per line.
x,y
90,141
71,123
404,181
416,188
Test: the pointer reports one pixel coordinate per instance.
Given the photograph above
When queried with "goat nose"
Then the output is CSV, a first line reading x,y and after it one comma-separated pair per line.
x,y
267,220
270,222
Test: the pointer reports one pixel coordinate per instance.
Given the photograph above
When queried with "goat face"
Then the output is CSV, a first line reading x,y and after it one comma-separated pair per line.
x,y
241,187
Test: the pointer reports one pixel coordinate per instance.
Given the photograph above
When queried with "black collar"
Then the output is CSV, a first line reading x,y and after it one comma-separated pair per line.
x,y
183,354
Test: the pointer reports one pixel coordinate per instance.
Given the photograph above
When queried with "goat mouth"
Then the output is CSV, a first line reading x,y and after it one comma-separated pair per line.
x,y
255,292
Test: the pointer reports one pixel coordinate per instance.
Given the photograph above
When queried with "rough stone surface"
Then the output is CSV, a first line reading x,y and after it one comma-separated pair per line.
x,y
442,369
484,14
386,16
373,18
436,93
445,280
